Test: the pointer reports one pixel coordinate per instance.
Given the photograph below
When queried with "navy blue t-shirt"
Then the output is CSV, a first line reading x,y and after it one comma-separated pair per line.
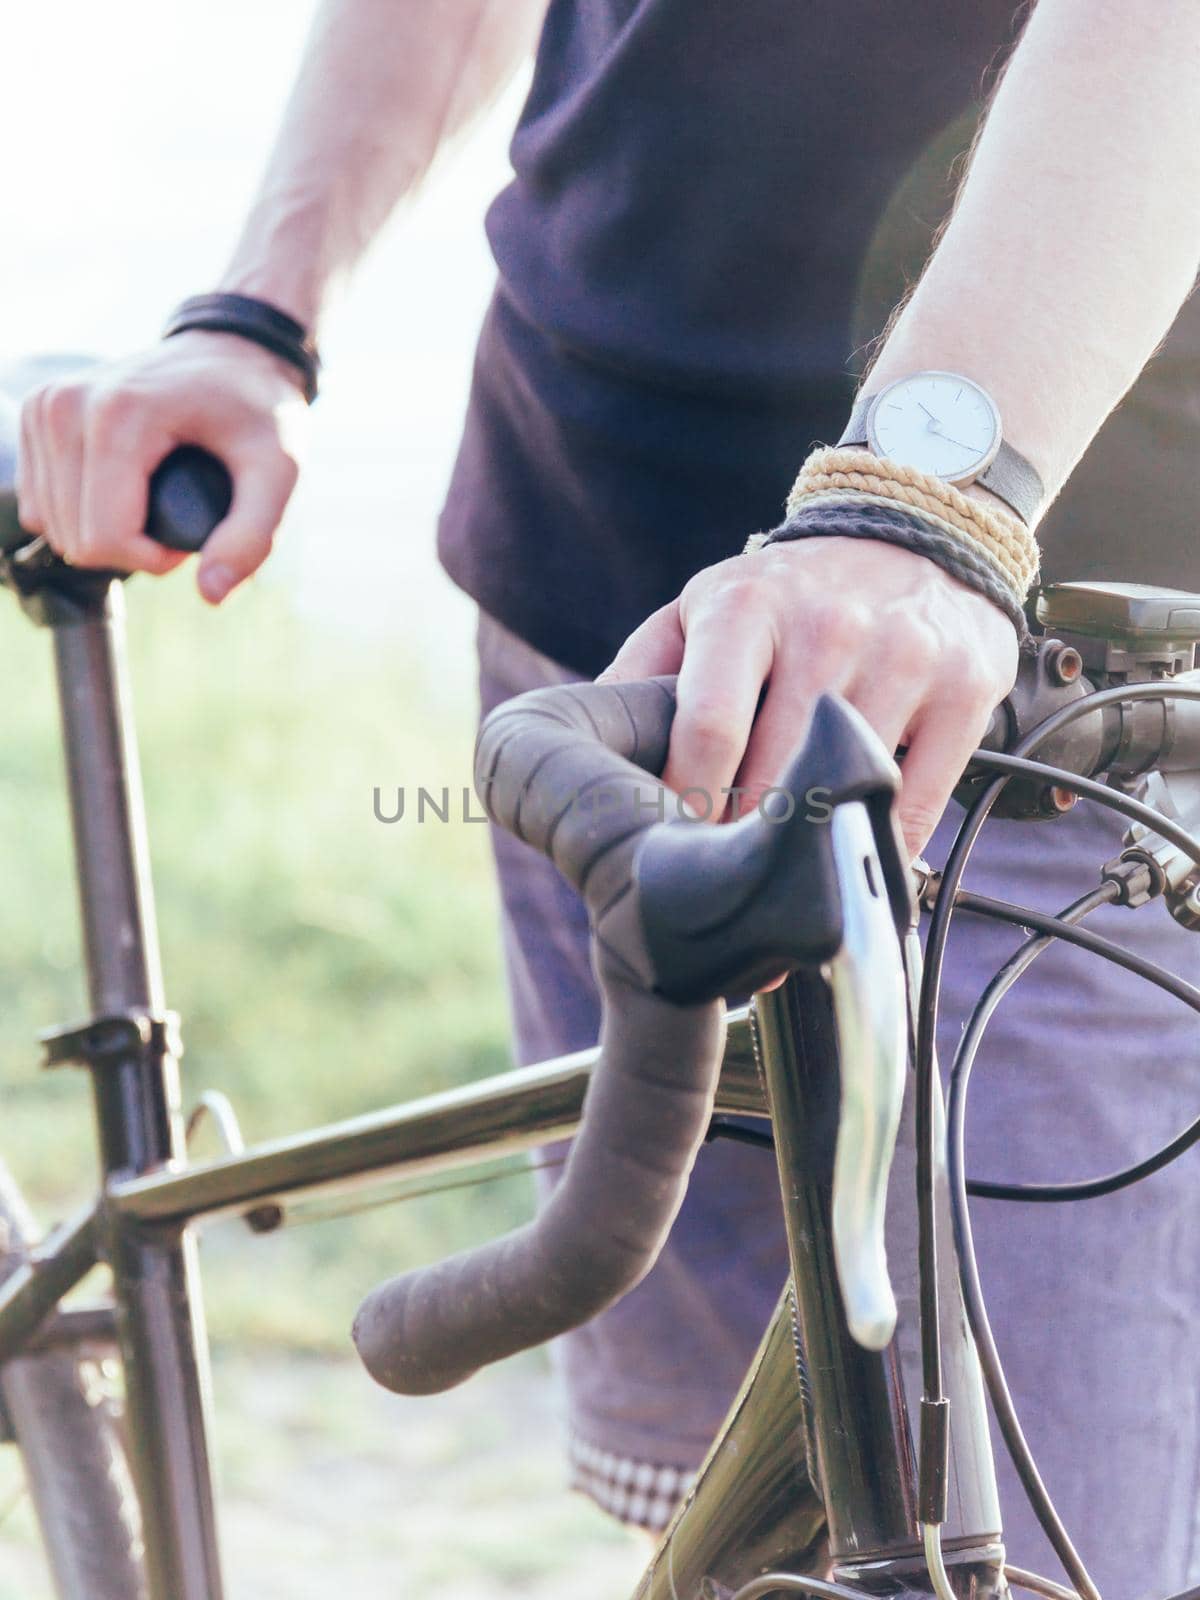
x,y
716,204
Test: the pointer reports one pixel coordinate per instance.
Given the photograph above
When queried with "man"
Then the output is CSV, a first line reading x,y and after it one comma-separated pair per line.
x,y
716,202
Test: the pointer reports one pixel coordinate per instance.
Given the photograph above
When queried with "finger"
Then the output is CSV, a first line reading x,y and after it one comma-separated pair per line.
x,y
120,455
782,721
888,703
727,658
942,739
29,503
242,542
60,434
651,650
892,686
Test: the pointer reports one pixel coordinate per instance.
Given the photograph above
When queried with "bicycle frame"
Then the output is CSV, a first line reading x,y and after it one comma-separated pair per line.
x,y
815,1464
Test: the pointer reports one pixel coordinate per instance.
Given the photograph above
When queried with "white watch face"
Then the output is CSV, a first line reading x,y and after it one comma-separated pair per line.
x,y
938,423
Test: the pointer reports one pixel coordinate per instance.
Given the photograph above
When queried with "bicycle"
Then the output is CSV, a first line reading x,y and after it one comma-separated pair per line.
x,y
858,1445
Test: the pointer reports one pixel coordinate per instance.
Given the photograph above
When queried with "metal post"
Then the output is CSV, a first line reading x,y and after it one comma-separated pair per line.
x,y
137,1108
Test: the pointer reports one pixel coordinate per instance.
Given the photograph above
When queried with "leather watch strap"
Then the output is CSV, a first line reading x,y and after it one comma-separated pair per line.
x,y
855,431
1016,481
1010,477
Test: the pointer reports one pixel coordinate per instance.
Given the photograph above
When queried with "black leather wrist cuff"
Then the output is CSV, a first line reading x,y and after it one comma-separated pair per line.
x,y
256,320
909,530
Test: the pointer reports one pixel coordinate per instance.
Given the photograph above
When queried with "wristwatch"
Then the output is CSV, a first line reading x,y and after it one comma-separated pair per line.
x,y
947,426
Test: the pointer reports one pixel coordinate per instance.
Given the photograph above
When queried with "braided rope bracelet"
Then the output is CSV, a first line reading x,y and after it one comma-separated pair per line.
x,y
854,472
857,517
975,552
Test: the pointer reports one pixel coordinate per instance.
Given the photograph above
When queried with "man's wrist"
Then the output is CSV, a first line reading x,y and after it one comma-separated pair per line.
x,y
257,321
291,291
901,526
835,475
283,260
232,345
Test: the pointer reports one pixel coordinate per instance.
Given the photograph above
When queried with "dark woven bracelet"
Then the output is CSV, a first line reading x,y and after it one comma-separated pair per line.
x,y
256,320
910,531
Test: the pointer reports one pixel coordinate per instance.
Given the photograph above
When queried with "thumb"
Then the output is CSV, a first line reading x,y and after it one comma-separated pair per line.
x,y
241,543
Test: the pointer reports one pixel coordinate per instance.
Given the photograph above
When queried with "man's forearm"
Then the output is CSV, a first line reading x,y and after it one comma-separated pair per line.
x,y
1076,235
382,85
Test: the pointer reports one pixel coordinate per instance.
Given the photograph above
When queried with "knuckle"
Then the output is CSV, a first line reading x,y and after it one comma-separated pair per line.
x,y
741,587
112,412
711,726
837,623
732,588
973,680
60,407
911,648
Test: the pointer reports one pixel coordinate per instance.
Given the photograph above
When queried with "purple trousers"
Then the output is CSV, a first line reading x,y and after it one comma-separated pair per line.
x,y
1096,1305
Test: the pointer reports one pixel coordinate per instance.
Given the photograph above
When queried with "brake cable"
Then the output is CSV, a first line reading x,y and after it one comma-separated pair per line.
x,y
933,1402
1056,929
1051,929
1062,928
989,1357
1089,789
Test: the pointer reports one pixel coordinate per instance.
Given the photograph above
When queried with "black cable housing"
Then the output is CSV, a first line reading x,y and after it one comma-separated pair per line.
x,y
926,1081
972,1289
1059,928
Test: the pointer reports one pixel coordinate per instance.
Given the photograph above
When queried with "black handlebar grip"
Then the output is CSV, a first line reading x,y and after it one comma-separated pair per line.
x,y
566,769
190,493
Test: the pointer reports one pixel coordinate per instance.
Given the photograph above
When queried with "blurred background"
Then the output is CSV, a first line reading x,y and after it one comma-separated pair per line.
x,y
325,963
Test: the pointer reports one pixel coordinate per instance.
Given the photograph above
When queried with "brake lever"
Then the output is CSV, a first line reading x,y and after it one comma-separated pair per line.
x,y
871,1019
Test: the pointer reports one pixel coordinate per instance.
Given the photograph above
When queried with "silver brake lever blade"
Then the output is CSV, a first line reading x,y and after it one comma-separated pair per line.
x,y
870,1012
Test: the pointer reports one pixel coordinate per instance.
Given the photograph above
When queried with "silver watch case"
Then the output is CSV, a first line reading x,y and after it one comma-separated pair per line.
x,y
960,479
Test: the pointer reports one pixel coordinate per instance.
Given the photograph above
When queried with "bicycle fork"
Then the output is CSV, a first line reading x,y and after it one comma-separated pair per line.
x,y
130,1049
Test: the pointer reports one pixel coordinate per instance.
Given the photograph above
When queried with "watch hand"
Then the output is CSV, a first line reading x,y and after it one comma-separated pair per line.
x,y
927,412
973,448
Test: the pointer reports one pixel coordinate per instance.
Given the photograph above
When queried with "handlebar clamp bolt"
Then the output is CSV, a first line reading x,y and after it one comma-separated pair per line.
x,y
1065,665
1057,800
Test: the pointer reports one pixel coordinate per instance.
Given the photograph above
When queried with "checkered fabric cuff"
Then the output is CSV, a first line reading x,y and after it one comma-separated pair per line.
x,y
635,1492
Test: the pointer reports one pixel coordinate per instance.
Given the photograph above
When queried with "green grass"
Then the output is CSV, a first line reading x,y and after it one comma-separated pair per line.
x,y
324,963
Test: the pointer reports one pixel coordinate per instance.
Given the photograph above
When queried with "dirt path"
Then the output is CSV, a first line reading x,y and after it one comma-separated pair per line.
x,y
330,1488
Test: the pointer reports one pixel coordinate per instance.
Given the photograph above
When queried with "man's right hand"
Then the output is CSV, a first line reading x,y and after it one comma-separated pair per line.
x,y
90,443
